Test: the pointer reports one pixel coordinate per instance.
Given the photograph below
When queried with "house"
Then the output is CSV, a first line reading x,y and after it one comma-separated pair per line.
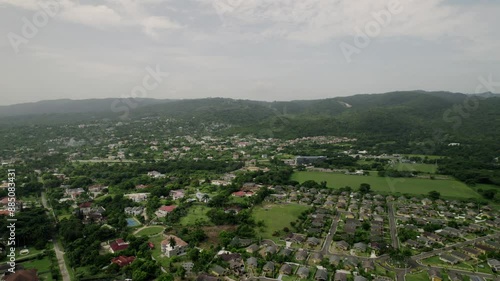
x,y
205,277
286,252
303,272
484,248
474,253
321,275
317,257
360,247
286,269
448,259
271,250
335,260
342,245
454,276
163,211
243,193
173,246
301,255
96,189
134,211
340,276
137,197
22,275
177,194
459,255
360,278
218,270
156,174
313,241
202,197
252,248
73,193
122,261
435,275
368,265
252,262
268,268
494,264
118,245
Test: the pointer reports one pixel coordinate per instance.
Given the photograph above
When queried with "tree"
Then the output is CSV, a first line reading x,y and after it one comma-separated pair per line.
x,y
364,188
434,195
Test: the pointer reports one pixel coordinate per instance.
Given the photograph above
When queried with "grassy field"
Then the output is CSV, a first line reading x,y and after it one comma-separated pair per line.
x,y
276,217
447,188
197,213
424,168
421,276
41,265
151,230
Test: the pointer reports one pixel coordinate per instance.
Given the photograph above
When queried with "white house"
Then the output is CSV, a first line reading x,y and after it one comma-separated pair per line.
x,y
177,248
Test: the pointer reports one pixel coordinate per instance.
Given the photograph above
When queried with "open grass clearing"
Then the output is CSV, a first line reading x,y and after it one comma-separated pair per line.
x,y
196,214
277,217
416,186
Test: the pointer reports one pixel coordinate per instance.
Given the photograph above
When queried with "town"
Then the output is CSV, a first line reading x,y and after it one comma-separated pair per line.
x,y
200,207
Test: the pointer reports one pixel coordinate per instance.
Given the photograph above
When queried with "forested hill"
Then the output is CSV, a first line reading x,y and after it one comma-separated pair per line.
x,y
402,116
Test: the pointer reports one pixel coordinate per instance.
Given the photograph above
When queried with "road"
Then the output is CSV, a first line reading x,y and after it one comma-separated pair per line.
x,y
392,223
450,247
329,237
57,249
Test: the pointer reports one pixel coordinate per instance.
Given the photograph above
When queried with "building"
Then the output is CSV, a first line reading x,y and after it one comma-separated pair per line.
x,y
118,245
173,246
22,275
137,197
163,211
134,211
308,160
123,260
177,194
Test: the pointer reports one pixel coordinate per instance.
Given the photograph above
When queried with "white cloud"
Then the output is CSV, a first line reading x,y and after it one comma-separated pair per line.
x,y
112,13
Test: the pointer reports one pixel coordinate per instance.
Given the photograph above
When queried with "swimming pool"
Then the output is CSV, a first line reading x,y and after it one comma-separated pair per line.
x,y
131,222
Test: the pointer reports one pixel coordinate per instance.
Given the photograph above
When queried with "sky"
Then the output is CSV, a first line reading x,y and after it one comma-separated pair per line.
x,y
246,49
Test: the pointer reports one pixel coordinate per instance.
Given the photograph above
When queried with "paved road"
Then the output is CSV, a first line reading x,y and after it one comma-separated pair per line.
x,y
461,244
329,237
394,230
57,248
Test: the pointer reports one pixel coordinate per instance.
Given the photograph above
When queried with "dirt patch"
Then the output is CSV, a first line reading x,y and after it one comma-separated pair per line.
x,y
213,234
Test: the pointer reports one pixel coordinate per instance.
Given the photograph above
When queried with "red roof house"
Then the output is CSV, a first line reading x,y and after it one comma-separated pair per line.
x,y
123,260
118,245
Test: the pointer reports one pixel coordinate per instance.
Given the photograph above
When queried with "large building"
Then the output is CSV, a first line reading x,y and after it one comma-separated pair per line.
x,y
173,246
308,160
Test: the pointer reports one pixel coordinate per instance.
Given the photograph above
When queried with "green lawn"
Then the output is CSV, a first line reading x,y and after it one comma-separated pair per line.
x,y
276,217
424,168
151,230
197,213
421,276
42,266
447,188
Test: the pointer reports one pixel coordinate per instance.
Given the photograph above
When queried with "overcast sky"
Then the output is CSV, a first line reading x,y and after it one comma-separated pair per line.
x,y
250,49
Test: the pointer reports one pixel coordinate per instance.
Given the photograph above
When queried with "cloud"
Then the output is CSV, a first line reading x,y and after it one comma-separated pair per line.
x,y
111,14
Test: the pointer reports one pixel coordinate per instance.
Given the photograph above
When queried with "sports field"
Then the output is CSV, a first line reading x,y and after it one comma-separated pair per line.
x,y
276,217
424,168
447,188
